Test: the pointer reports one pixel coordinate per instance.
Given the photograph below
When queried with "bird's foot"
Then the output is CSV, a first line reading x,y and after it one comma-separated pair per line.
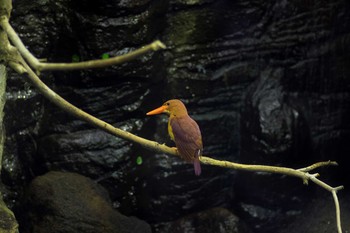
x,y
175,148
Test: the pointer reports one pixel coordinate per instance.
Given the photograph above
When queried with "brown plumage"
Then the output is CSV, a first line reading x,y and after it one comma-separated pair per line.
x,y
184,131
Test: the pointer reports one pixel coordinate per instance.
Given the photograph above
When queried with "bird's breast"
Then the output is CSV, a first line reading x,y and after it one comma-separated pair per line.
x,y
170,130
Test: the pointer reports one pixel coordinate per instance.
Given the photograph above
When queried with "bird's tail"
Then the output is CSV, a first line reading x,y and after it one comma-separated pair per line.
x,y
197,167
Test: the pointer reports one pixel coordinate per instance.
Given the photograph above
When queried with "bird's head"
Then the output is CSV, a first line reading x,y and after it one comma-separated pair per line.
x,y
171,107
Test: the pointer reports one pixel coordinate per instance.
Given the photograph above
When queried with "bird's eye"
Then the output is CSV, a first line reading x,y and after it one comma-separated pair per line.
x,y
167,104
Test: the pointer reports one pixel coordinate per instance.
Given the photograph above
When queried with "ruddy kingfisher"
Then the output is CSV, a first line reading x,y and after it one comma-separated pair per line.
x,y
184,131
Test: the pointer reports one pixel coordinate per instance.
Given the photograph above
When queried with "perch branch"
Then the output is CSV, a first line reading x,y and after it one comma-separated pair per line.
x,y
300,173
41,66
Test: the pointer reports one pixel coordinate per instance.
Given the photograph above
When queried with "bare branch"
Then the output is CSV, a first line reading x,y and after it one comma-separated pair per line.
x,y
256,168
41,66
4,23
154,46
323,184
337,210
317,165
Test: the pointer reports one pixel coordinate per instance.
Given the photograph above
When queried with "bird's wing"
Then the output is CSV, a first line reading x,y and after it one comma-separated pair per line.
x,y
187,137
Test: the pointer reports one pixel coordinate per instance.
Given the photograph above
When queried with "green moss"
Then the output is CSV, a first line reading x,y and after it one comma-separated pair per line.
x,y
139,160
105,56
75,58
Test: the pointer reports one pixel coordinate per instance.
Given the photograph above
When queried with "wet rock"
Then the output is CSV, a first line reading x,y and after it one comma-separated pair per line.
x,y
86,160
272,129
68,202
318,215
218,220
23,109
8,222
178,190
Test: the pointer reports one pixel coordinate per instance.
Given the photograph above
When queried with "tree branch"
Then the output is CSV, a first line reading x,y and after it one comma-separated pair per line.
x,y
317,165
256,168
337,209
41,66
16,41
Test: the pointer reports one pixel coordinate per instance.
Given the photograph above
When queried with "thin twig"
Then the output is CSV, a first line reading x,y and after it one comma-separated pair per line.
x,y
100,63
337,210
323,184
317,165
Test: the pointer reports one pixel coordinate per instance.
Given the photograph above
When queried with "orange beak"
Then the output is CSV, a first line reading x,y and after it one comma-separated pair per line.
x,y
159,110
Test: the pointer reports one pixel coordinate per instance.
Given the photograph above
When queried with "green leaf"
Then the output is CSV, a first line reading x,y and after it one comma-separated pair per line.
x,y
75,58
139,160
105,56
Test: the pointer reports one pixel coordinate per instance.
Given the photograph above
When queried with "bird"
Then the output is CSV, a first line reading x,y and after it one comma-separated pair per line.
x,y
184,131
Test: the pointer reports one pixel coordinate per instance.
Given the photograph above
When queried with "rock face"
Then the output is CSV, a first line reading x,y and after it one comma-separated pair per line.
x,y
267,81
60,202
218,220
8,222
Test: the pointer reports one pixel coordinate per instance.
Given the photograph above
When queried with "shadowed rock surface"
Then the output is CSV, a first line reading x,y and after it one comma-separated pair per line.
x,y
267,81
67,202
8,222
212,220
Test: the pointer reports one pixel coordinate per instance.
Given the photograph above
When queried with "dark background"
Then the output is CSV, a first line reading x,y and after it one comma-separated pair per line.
x,y
267,81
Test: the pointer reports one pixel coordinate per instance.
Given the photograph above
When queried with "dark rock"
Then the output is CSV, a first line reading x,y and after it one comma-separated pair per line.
x,y
8,222
87,160
318,215
68,202
272,129
178,190
218,220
